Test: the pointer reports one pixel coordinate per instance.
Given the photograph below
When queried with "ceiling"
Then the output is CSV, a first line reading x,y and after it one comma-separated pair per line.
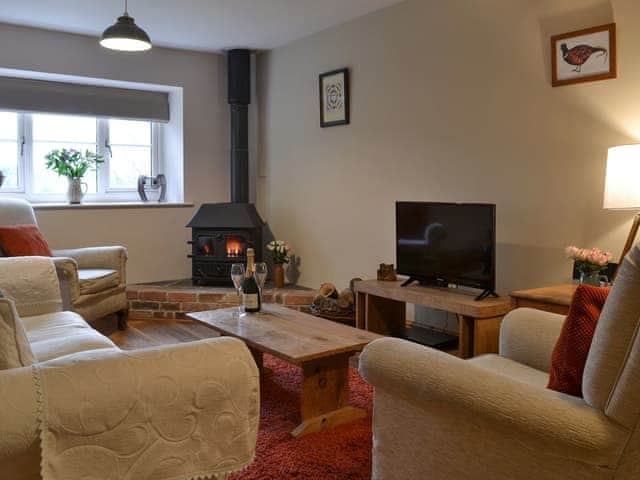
x,y
208,25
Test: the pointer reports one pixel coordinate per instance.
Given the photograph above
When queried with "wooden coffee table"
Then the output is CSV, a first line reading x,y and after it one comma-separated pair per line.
x,y
320,347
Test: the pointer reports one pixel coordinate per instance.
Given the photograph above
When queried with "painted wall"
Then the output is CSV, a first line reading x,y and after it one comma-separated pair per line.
x,y
451,101
156,238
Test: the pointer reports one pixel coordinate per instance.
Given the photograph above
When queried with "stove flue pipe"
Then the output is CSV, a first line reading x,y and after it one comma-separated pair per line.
x,y
239,84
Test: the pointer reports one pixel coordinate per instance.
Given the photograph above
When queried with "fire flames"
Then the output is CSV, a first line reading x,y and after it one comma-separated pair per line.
x,y
234,248
207,249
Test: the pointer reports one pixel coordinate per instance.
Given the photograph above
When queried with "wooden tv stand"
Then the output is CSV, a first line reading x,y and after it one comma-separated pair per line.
x,y
381,308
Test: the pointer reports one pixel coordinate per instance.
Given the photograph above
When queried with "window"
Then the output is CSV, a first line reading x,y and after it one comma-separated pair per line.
x,y
128,147
131,151
9,153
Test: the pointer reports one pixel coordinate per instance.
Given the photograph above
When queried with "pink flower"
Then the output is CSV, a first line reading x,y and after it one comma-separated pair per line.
x,y
593,256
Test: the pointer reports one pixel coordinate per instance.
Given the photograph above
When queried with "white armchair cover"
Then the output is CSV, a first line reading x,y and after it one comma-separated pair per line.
x,y
149,414
92,280
146,414
187,411
439,417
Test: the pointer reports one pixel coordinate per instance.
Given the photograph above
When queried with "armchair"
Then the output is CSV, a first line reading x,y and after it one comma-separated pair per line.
x,y
78,407
440,417
92,280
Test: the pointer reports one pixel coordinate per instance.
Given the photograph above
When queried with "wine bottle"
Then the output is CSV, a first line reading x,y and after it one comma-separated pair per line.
x,y
250,291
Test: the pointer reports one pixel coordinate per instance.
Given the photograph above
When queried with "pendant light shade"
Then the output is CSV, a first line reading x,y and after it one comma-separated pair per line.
x,y
125,35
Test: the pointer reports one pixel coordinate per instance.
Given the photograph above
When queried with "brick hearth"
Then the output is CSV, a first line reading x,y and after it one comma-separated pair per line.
x,y
173,300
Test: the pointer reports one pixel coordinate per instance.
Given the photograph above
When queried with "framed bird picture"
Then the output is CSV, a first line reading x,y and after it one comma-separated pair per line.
x,y
584,55
334,98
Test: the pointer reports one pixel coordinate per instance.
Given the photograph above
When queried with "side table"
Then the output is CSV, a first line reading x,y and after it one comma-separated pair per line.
x,y
554,299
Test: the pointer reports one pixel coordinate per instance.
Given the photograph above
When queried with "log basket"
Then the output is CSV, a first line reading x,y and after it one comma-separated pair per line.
x,y
334,306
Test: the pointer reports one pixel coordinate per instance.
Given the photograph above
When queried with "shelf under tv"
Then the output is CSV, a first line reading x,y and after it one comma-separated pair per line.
x,y
430,337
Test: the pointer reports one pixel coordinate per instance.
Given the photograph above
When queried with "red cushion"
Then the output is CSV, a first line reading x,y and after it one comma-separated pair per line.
x,y
570,353
23,241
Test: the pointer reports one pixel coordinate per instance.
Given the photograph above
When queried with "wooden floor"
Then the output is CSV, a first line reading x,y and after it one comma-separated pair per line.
x,y
145,333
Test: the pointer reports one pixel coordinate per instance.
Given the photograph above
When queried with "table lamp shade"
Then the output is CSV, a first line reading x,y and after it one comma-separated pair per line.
x,y
622,185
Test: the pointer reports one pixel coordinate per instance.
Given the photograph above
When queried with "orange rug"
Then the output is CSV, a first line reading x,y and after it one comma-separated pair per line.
x,y
343,453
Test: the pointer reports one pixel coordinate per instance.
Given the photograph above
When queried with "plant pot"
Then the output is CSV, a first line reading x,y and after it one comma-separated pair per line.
x,y
75,192
278,275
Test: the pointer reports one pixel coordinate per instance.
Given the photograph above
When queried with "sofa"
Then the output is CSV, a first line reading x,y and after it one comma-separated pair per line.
x,y
439,417
93,279
74,406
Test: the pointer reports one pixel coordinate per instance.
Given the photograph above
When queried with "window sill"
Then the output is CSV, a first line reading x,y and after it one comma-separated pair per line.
x,y
109,205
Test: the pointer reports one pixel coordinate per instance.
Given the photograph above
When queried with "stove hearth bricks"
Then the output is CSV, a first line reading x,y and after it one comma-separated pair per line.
x,y
174,301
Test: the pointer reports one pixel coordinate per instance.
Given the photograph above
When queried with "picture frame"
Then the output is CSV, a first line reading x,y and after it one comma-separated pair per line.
x,y
584,55
334,98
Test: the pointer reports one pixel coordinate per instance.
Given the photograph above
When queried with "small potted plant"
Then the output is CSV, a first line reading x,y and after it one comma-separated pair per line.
x,y
280,251
74,165
590,263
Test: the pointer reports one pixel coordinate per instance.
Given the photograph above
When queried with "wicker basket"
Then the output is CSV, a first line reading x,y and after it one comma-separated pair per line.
x,y
346,318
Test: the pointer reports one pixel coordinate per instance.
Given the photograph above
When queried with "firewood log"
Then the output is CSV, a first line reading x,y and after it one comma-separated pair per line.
x,y
328,290
345,300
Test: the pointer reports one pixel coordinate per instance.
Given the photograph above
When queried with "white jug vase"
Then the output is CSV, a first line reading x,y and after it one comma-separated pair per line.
x,y
76,192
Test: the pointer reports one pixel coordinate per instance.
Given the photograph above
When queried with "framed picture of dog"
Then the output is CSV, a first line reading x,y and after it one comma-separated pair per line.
x,y
584,55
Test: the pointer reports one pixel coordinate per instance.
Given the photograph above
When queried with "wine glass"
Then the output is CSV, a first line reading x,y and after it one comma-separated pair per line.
x,y
237,275
261,274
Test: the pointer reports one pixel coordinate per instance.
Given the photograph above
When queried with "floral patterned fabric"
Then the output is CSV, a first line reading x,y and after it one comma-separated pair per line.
x,y
15,350
184,412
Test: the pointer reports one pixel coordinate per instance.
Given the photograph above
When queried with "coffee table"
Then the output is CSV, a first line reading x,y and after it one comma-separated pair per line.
x,y
320,347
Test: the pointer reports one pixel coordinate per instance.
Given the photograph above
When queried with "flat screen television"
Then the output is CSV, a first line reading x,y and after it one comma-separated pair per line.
x,y
443,243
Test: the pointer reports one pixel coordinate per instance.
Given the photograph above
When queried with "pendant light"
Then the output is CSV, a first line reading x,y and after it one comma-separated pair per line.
x,y
125,35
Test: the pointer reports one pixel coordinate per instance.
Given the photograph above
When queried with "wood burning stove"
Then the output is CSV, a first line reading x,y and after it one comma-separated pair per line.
x,y
222,232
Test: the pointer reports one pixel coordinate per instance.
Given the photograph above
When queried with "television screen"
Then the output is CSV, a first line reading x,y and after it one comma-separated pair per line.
x,y
450,242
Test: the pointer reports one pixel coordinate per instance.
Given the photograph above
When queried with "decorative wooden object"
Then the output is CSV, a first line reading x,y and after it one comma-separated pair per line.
x,y
555,299
387,273
321,347
381,307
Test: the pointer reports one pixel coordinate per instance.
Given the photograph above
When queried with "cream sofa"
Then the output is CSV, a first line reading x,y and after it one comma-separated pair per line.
x,y
74,406
438,417
93,279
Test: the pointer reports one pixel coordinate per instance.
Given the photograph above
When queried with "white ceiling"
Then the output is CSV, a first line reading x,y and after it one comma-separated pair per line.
x,y
210,25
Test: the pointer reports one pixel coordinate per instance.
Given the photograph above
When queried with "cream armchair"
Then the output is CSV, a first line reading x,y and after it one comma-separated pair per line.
x,y
439,417
92,280
74,406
